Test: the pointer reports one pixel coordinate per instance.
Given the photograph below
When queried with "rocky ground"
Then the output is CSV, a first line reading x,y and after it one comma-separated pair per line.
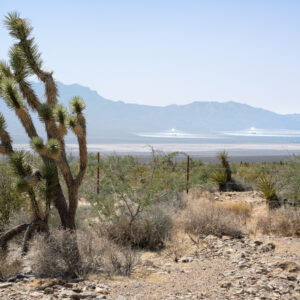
x,y
254,267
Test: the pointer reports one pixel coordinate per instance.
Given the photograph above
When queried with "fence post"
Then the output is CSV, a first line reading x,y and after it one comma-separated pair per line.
x,y
187,174
98,173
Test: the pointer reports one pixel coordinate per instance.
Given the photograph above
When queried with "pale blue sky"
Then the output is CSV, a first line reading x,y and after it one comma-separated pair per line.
x,y
160,52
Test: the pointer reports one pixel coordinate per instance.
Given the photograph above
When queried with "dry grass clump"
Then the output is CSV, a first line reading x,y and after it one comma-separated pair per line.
x,y
149,230
202,218
122,261
9,266
281,222
56,255
240,209
176,248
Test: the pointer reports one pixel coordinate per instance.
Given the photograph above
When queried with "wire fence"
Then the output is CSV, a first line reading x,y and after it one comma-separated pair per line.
x,y
190,172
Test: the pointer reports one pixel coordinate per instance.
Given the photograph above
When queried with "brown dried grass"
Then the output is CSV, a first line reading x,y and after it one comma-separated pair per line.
x,y
281,222
56,255
202,218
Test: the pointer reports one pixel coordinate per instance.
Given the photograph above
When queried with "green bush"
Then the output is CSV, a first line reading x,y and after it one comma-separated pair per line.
x,y
10,200
288,181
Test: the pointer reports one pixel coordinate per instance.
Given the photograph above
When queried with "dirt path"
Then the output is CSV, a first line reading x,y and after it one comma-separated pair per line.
x,y
255,267
219,269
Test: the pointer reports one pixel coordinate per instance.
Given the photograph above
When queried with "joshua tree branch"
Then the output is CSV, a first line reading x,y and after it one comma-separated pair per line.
x,y
30,230
7,236
81,138
5,147
29,94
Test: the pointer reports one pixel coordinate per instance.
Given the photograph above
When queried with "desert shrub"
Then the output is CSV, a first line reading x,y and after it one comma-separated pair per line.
x,y
10,200
148,231
176,248
54,256
282,222
203,218
9,266
122,260
130,194
250,172
240,209
200,176
128,185
288,180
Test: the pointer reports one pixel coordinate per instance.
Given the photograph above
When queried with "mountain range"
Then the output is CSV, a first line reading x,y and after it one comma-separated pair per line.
x,y
117,121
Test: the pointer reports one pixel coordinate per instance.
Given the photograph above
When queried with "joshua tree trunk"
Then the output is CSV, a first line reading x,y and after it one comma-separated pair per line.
x,y
61,206
24,61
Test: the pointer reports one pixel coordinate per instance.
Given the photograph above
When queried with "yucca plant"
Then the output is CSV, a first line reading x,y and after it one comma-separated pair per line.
x,y
220,178
223,157
268,191
17,93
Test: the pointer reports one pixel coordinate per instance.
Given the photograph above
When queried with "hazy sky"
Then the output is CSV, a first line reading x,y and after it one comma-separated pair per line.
x,y
160,52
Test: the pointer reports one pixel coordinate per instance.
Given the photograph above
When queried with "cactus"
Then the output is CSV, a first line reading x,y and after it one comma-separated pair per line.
x,y
17,93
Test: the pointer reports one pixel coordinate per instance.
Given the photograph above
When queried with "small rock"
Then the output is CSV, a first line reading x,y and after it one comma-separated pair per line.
x,y
258,243
101,290
291,278
288,266
229,251
225,285
186,259
5,285
48,290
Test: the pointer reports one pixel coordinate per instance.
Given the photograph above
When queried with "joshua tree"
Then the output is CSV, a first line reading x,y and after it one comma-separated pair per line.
x,y
223,176
16,91
223,157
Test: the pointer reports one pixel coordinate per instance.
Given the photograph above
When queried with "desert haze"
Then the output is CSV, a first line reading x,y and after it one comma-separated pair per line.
x,y
163,198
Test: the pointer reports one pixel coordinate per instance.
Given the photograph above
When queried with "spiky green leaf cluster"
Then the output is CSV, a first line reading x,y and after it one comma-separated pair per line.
x,y
219,177
266,187
48,170
37,143
21,185
2,122
4,70
19,164
60,114
72,122
53,146
223,156
11,94
18,63
45,112
18,28
77,105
